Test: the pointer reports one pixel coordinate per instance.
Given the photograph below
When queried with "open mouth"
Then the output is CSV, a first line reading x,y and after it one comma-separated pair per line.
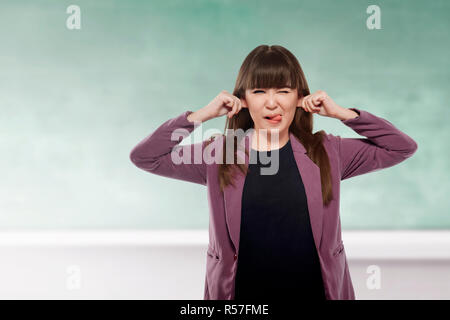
x,y
273,119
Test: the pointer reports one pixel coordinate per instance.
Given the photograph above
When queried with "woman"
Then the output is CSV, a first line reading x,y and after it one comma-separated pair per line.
x,y
274,235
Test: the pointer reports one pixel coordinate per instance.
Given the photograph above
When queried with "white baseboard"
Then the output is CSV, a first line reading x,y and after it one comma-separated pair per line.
x,y
170,264
379,244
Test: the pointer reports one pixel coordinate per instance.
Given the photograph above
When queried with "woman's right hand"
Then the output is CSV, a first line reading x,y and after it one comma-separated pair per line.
x,y
223,103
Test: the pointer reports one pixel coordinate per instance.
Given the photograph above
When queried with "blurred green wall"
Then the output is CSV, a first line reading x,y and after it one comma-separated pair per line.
x,y
75,102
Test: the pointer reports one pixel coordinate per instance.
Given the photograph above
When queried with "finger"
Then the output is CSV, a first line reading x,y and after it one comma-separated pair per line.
x,y
237,102
304,104
229,105
316,101
309,105
239,105
317,108
233,108
313,106
321,99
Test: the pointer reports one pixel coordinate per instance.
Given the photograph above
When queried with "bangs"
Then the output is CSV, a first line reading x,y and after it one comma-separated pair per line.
x,y
271,70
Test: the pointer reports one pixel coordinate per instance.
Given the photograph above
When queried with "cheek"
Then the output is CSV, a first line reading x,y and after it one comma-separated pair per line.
x,y
290,116
255,113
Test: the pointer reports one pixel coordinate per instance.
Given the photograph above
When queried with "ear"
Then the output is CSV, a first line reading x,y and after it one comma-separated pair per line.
x,y
299,102
243,103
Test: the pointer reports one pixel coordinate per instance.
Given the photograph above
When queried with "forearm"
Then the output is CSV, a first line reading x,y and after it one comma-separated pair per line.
x,y
346,114
198,116
157,154
159,142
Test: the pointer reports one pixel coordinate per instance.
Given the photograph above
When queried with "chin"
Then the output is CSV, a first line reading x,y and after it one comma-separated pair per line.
x,y
274,130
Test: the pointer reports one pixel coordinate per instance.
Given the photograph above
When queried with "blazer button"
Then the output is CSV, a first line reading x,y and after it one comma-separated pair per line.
x,y
235,257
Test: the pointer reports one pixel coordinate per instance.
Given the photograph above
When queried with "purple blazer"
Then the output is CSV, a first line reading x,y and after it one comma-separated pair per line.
x,y
383,147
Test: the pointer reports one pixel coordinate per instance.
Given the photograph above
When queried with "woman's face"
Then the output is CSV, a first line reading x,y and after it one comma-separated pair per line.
x,y
268,102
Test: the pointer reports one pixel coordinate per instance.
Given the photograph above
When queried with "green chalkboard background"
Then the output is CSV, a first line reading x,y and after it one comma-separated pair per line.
x,y
75,102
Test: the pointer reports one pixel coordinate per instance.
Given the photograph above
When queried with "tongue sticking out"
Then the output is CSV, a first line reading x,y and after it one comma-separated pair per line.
x,y
276,118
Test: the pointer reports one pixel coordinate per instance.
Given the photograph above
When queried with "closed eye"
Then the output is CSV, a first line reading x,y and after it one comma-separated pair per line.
x,y
263,91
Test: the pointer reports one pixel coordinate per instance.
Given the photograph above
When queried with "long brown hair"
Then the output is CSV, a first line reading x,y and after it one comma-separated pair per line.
x,y
276,67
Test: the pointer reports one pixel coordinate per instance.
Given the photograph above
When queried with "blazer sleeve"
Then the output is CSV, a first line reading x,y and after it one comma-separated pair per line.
x,y
154,153
383,147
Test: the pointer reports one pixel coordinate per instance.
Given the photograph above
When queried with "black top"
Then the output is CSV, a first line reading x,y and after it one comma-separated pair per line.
x,y
277,255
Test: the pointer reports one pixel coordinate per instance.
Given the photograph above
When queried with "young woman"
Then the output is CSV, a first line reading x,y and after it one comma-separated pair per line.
x,y
274,235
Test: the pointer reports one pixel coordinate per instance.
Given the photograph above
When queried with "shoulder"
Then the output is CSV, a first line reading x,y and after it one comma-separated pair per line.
x,y
330,141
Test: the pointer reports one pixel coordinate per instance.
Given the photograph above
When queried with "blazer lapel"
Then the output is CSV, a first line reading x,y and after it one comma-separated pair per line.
x,y
310,174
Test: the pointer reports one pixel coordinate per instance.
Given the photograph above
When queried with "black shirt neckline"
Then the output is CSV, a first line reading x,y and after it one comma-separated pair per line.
x,y
286,145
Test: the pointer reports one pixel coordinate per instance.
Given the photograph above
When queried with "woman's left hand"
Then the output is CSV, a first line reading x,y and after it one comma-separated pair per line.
x,y
319,102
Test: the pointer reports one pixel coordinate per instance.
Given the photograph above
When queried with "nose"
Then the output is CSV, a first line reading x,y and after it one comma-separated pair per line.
x,y
271,100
